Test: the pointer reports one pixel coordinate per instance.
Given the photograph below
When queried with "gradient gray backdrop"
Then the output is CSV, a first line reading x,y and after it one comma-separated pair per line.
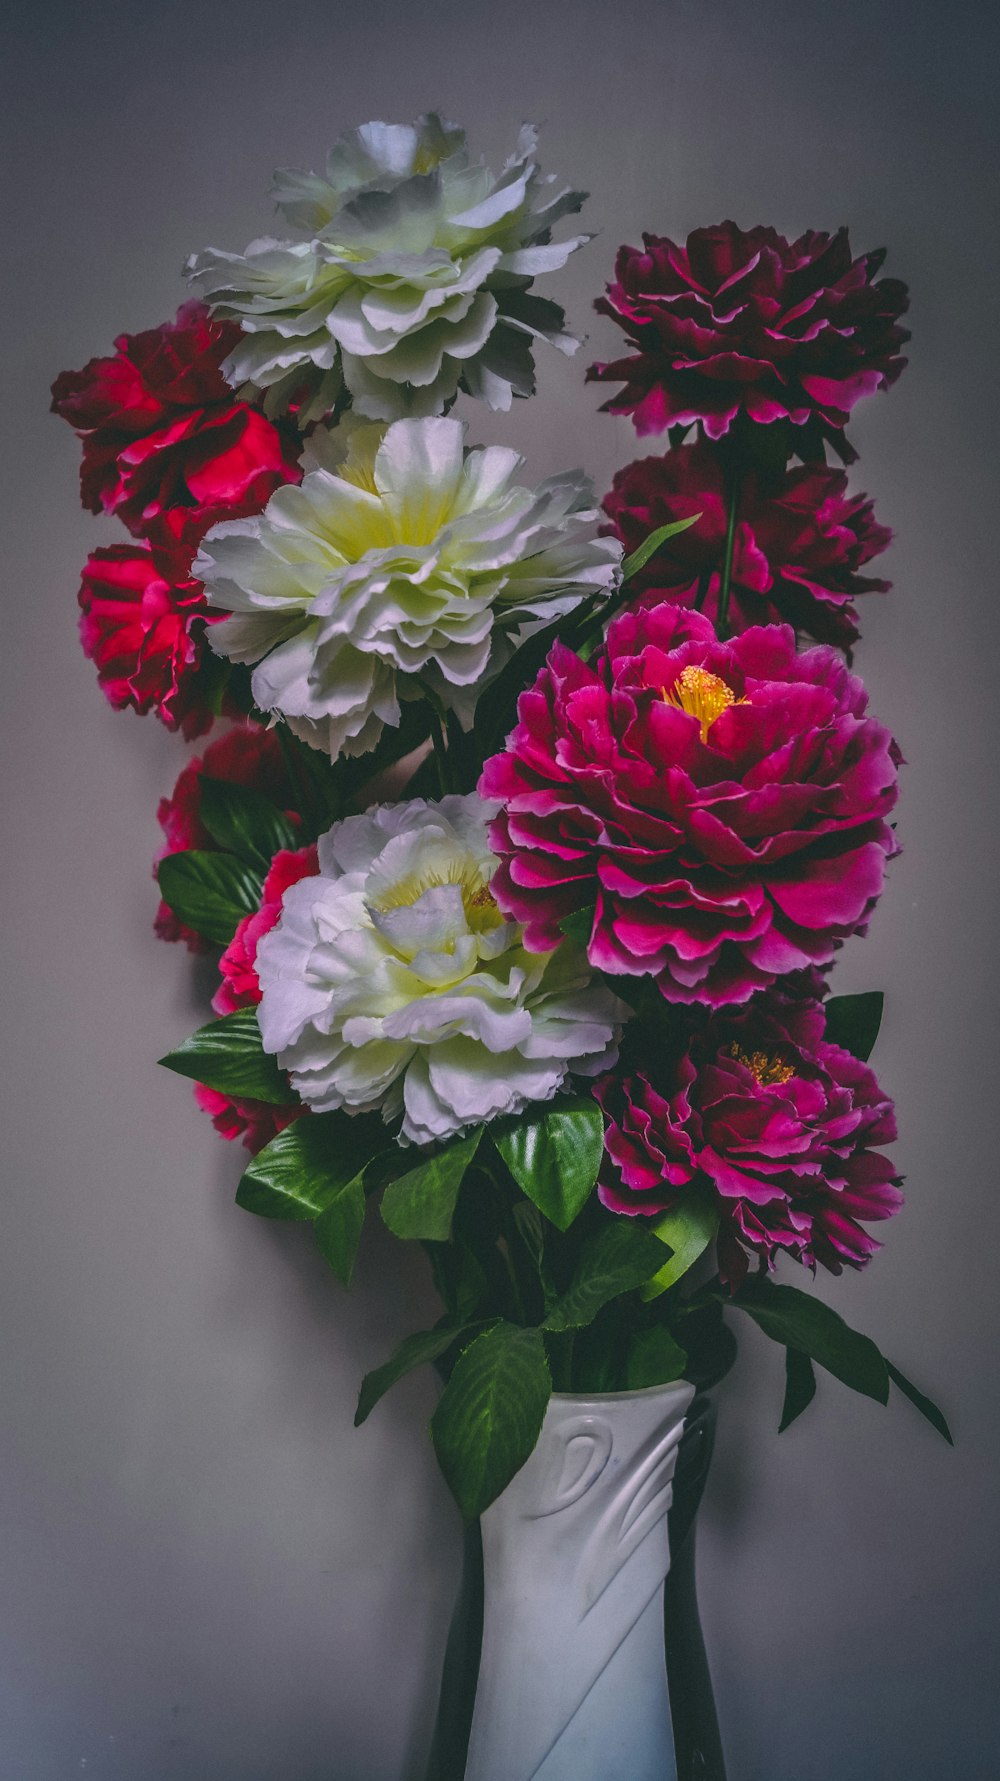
x,y
206,1573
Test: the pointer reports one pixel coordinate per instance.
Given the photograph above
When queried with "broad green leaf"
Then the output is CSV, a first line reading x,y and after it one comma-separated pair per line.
x,y
414,1351
243,821
800,1386
853,1021
687,1231
210,892
338,1227
228,1055
800,1321
614,1261
554,1153
579,926
490,1414
303,1169
925,1405
422,1202
653,543
654,1358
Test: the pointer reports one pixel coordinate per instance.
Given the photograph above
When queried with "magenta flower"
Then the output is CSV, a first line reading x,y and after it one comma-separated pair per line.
x,y
798,551
745,321
719,806
784,1130
240,987
256,1122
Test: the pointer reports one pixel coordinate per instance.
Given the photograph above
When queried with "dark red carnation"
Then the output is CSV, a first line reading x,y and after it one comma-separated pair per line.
x,y
798,551
255,1122
721,807
142,624
239,987
745,321
162,430
783,1129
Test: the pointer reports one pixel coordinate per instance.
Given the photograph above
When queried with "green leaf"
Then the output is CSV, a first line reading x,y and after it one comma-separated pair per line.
x,y
800,1321
303,1170
490,1414
338,1227
414,1351
243,821
925,1405
210,892
653,543
422,1202
228,1055
554,1153
687,1231
800,1386
654,1358
853,1022
496,707
579,926
614,1261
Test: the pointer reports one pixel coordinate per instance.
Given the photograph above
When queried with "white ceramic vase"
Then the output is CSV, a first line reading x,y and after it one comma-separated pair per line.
x,y
572,1679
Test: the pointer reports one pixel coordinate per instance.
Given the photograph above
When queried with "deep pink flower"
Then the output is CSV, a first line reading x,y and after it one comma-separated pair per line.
x,y
239,987
162,430
142,624
246,755
782,1128
798,549
256,1122
745,321
720,806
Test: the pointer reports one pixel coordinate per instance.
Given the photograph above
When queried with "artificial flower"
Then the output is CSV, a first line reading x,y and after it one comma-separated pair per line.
x,y
256,1122
720,807
239,987
411,561
413,279
144,630
393,982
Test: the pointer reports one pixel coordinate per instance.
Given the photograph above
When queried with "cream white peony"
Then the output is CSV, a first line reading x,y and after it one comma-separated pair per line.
x,y
392,980
410,558
413,280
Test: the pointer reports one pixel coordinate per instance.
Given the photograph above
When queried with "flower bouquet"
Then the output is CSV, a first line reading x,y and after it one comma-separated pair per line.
x,y
529,832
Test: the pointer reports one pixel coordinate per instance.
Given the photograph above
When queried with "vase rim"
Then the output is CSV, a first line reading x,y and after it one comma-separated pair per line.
x,y
679,1386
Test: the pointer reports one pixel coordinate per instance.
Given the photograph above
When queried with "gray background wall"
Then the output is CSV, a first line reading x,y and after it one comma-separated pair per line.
x,y
206,1572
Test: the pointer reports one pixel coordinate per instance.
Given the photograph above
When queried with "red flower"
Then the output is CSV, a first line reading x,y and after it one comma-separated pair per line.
x,y
162,430
143,625
798,549
784,1130
745,321
256,1122
239,987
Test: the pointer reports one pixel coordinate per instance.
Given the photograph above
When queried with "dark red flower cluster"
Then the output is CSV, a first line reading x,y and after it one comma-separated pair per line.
x,y
256,1122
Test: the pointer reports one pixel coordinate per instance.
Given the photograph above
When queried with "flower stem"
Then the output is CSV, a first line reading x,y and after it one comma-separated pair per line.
x,y
440,740
722,616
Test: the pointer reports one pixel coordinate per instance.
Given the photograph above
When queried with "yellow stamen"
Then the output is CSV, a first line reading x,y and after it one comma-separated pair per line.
x,y
766,1067
481,909
702,695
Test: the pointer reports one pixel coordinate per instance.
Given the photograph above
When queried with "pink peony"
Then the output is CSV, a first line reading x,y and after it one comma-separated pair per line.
x,y
256,1122
162,430
720,806
745,321
782,1128
798,553
240,987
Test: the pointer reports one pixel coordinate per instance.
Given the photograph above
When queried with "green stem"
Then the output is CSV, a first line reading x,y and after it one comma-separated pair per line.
x,y
442,762
722,616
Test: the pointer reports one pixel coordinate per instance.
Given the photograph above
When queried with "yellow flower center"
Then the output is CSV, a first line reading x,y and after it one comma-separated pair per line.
x,y
702,695
766,1067
481,909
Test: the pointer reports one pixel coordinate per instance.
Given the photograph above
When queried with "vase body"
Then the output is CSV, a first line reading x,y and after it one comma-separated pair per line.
x,y
572,1682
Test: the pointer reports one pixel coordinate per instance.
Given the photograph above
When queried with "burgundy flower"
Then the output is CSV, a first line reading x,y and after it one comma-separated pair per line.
x,y
246,755
720,806
798,550
783,1129
143,619
745,321
162,430
239,987
256,1122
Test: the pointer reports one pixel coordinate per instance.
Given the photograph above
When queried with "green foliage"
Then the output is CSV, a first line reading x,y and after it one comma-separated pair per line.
x,y
210,892
421,1203
687,1232
414,1351
654,1358
490,1414
308,1165
853,1021
925,1405
554,1153
338,1227
656,540
800,1386
805,1323
244,822
615,1260
228,1055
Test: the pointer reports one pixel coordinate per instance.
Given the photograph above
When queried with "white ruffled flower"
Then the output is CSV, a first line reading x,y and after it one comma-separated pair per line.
x,y
392,980
414,279
410,558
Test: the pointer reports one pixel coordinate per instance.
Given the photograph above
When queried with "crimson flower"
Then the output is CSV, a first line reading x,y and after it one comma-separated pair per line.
x,y
239,987
162,430
783,1129
256,1122
719,807
745,321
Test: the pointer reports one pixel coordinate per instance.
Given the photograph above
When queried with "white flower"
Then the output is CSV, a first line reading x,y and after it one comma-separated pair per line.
x,y
410,558
392,980
413,281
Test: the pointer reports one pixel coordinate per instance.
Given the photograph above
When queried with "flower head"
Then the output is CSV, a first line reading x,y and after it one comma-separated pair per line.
x,y
412,281
162,432
799,548
256,1122
745,321
782,1128
410,558
240,987
393,981
720,806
